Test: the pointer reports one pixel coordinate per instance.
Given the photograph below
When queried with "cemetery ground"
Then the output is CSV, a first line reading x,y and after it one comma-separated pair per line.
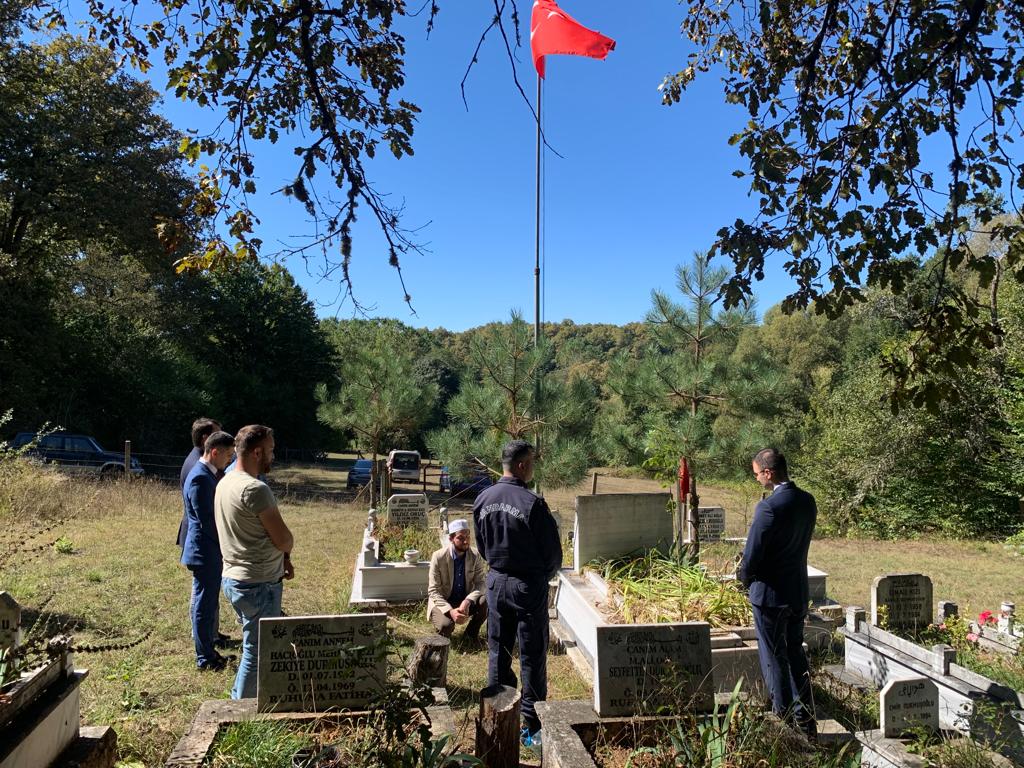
x,y
114,577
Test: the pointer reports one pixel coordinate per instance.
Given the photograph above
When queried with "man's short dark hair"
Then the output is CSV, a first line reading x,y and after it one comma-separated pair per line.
x,y
251,437
772,458
514,452
219,439
202,429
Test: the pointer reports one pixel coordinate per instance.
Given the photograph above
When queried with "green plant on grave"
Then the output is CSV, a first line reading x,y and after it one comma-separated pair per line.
x,y
396,539
736,735
654,588
257,744
883,617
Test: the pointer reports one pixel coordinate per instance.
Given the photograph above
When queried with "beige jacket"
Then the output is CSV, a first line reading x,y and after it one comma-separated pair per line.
x,y
442,575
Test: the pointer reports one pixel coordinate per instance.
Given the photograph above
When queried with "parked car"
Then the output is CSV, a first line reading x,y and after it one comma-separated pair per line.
x,y
79,454
470,483
404,465
359,475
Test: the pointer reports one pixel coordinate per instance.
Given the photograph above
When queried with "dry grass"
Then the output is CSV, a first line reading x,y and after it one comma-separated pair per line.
x,y
123,579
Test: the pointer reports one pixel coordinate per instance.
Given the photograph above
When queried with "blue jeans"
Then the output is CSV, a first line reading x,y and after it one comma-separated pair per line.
x,y
252,601
205,608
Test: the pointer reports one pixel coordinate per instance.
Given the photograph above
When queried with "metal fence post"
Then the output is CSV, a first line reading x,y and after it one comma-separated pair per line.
x,y
127,458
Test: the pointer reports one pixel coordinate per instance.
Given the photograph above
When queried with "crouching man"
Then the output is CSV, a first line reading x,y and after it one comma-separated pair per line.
x,y
457,585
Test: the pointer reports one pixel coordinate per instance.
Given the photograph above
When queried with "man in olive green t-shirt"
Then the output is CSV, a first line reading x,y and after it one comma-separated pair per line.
x,y
255,544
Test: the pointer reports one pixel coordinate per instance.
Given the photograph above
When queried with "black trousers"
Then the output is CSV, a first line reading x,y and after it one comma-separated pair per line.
x,y
780,637
518,609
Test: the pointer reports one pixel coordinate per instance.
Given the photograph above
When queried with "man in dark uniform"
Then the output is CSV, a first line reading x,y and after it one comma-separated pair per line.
x,y
518,537
774,570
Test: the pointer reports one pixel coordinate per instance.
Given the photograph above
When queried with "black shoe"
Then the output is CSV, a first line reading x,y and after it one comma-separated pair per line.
x,y
218,664
224,641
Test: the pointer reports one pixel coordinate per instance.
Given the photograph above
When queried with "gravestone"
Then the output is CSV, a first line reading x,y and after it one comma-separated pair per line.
x,y
642,668
710,524
10,623
611,525
316,663
906,598
408,510
909,705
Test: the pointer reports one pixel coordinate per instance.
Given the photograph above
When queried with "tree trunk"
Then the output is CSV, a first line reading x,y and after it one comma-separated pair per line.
x,y
429,661
497,727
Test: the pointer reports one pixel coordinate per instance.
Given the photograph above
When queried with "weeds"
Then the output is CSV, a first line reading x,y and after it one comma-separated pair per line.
x,y
395,540
655,588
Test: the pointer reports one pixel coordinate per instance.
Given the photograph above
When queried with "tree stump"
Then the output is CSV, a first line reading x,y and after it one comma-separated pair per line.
x,y
497,727
429,661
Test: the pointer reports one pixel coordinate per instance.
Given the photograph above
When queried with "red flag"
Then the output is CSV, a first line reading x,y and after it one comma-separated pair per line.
x,y
684,478
553,31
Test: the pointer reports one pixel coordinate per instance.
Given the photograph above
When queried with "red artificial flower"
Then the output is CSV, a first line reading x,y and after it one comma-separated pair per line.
x,y
986,617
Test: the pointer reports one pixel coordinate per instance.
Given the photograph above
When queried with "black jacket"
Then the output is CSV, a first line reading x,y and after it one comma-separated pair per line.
x,y
516,532
774,565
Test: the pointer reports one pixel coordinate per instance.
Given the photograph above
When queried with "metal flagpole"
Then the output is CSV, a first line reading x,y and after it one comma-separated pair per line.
x,y
536,278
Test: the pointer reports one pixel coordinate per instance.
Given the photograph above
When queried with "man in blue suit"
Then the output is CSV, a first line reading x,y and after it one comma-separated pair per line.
x,y
774,570
201,553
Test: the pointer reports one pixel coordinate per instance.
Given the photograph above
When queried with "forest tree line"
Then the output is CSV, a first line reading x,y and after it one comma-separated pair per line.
x,y
100,334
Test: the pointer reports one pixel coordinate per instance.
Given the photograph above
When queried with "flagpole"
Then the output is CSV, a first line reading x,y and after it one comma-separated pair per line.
x,y
536,272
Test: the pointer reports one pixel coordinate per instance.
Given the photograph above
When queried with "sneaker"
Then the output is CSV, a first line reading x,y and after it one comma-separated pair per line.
x,y
215,665
528,739
223,641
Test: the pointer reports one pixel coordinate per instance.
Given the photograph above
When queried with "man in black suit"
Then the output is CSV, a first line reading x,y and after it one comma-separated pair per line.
x,y
774,570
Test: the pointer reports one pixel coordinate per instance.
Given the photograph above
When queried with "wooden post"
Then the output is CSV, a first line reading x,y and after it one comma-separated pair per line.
x,y
429,661
424,478
593,491
127,458
497,727
694,514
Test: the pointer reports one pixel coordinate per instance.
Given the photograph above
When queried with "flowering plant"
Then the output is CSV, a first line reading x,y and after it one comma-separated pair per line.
x,y
986,618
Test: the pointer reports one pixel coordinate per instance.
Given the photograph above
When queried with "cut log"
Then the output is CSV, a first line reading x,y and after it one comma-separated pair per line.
x,y
497,727
429,661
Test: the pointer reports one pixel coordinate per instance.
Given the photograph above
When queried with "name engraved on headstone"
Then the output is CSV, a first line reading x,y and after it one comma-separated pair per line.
x,y
909,705
10,622
710,523
317,663
644,668
408,510
906,599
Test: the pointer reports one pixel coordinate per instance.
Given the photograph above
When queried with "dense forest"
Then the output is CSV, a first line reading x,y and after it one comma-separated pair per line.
x,y
99,333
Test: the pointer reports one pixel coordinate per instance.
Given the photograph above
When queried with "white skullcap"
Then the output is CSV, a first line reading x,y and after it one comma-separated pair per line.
x,y
457,525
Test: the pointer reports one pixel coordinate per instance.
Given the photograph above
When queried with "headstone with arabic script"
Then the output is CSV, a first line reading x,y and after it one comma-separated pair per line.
x,y
909,706
408,510
318,663
647,668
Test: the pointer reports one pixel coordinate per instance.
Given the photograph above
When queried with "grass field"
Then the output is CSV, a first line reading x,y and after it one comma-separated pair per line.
x,y
122,580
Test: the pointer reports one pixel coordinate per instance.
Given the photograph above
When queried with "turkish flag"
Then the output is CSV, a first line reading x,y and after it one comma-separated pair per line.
x,y
553,31
684,478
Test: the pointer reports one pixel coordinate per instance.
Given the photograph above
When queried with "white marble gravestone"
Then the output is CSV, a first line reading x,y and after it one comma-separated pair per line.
x,y
317,663
408,510
909,705
612,525
642,668
10,622
907,601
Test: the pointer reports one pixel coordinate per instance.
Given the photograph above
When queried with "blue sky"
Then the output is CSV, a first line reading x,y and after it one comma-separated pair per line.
x,y
639,188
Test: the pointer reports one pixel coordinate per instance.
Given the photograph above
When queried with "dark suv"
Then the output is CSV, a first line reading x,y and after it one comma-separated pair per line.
x,y
80,454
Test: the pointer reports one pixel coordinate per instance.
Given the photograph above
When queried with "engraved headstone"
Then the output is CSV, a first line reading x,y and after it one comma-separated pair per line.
x,y
909,706
643,668
408,510
10,622
710,524
903,599
316,663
